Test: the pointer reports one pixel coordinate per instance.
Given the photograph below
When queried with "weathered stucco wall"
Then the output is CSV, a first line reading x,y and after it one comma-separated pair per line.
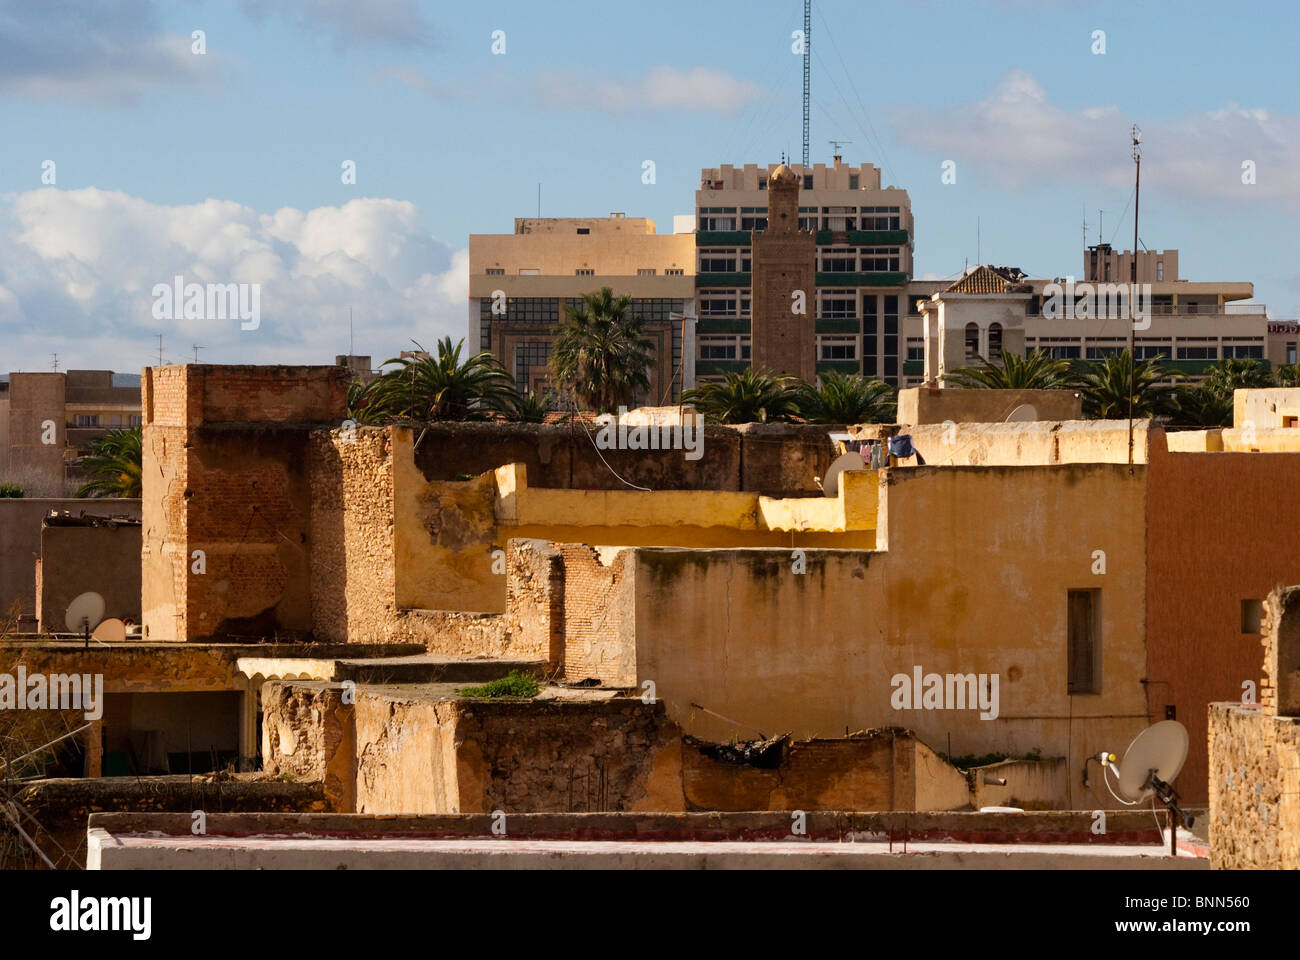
x,y
1034,443
813,653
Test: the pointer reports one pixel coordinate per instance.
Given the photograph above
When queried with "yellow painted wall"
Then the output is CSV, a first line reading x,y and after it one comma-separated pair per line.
x,y
974,581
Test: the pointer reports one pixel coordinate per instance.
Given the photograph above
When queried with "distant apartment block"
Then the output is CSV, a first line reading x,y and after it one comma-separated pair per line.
x,y
522,283
47,421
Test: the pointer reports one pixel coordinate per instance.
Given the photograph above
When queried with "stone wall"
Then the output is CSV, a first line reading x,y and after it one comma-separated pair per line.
x,y
1254,789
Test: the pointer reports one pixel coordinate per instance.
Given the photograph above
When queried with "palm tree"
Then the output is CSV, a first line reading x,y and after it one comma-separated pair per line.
x,y
114,463
529,408
598,357
847,398
1038,371
1236,373
747,397
1288,376
428,387
1106,388
1202,407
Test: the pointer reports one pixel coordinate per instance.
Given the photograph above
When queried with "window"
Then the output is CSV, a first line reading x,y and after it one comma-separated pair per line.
x,y
584,229
717,306
972,342
839,261
880,260
762,183
495,271
1252,616
807,181
645,271
1198,351
136,419
1160,270
529,272
915,348
838,308
584,272
717,348
853,181
744,348
1290,353
718,223
838,348
673,272
753,218
995,342
1084,641
717,261
529,354
1251,351
87,419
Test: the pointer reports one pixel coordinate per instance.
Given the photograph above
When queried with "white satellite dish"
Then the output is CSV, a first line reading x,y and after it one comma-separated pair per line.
x,y
1024,413
84,612
847,461
1154,758
111,630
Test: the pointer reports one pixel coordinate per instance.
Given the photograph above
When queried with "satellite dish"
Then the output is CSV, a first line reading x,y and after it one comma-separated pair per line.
x,y
84,612
111,630
848,461
1156,754
1024,413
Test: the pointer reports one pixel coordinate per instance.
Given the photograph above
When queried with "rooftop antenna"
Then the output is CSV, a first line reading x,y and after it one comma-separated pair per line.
x,y
807,52
1084,224
837,144
54,362
197,348
539,199
978,259
160,363
1133,279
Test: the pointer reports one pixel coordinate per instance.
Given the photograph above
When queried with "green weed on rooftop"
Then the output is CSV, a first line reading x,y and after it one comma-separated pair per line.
x,y
514,684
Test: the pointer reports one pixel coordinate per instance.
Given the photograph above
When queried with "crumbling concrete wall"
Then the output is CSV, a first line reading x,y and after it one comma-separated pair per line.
x,y
309,733
104,558
880,770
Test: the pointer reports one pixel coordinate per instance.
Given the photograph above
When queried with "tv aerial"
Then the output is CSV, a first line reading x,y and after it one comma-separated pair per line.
x,y
1148,769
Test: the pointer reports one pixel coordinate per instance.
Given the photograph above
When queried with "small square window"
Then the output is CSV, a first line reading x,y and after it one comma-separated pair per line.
x,y
1252,616
807,181
584,229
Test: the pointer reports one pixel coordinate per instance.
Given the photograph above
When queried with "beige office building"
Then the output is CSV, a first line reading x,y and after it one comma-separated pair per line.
x,y
521,284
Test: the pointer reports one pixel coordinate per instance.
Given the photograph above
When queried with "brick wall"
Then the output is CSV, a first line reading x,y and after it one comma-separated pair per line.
x,y
226,472
599,615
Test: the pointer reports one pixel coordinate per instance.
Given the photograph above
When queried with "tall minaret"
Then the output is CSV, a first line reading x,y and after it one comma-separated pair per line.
x,y
783,325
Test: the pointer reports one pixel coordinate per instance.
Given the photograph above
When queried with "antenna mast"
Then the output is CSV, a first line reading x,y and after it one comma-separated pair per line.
x,y
1132,292
807,52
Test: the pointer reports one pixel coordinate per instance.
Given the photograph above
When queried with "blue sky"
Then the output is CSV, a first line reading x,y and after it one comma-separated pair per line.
x,y
226,166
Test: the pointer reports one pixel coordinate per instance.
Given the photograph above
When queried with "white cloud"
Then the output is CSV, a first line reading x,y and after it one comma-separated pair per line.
x,y
1016,136
98,52
663,88
397,23
77,270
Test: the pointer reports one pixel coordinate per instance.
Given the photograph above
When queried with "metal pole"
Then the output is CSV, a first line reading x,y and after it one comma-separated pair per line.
x,y
1132,292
